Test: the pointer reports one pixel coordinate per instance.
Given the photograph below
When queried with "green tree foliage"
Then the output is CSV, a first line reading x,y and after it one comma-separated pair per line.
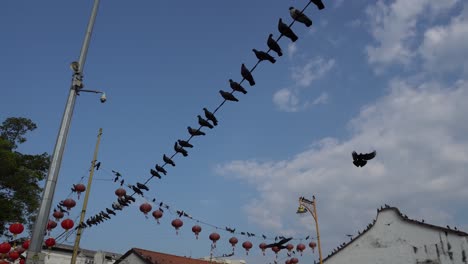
x,y
20,175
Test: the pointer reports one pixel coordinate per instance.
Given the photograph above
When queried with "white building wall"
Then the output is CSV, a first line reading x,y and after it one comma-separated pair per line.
x,y
132,259
391,240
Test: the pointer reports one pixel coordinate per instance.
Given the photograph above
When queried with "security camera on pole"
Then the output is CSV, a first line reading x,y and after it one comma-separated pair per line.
x,y
34,252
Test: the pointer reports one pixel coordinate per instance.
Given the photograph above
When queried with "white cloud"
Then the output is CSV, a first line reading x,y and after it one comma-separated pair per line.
x,y
292,49
321,99
443,46
393,27
420,132
312,70
287,100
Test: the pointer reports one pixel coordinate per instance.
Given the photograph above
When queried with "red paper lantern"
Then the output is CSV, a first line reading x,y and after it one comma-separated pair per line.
x,y
5,247
50,242
26,244
57,215
233,241
214,237
51,225
79,188
120,192
262,246
20,250
22,261
196,229
14,255
247,245
145,208
69,203
157,214
177,223
312,245
290,247
16,228
300,247
276,249
294,261
4,261
288,261
67,224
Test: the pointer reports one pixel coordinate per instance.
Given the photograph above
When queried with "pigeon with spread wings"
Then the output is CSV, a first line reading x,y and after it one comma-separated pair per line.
x,y
360,160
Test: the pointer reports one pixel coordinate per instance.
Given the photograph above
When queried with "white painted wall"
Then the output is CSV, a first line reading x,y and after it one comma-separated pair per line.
x,y
391,240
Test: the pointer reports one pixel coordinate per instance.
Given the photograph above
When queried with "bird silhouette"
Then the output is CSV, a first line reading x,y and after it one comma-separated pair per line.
x,y
286,31
122,182
160,169
129,198
247,75
360,160
180,149
319,4
228,96
168,160
109,211
210,116
195,132
203,122
155,173
116,173
261,55
142,186
185,144
300,17
98,165
280,243
273,45
136,190
237,87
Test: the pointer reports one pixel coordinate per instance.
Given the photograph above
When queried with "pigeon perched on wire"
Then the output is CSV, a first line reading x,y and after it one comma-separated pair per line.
x,y
210,116
136,190
98,165
155,174
228,96
273,45
360,160
116,173
180,149
142,186
160,169
109,211
247,75
286,31
195,132
168,160
300,17
185,144
129,198
319,4
203,122
237,87
261,55
122,182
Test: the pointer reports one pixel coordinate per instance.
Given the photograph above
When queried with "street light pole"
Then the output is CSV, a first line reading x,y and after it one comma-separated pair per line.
x,y
34,252
304,204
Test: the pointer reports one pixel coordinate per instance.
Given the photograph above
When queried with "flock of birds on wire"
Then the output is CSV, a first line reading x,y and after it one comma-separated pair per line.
x,y
210,121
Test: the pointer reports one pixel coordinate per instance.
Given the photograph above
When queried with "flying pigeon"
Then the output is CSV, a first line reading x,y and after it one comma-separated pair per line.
x,y
286,31
318,3
142,186
360,160
228,96
247,75
195,132
273,45
155,173
109,211
98,165
210,116
160,169
279,243
204,122
261,55
300,17
168,160
237,87
179,149
185,144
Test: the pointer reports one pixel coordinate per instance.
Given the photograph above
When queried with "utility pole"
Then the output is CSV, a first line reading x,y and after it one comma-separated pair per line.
x,y
85,201
303,207
37,239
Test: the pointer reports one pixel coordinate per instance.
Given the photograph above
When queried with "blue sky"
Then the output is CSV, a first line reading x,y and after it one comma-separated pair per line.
x,y
385,75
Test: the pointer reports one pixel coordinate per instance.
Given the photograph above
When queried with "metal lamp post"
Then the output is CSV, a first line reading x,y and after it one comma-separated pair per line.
x,y
304,206
34,251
